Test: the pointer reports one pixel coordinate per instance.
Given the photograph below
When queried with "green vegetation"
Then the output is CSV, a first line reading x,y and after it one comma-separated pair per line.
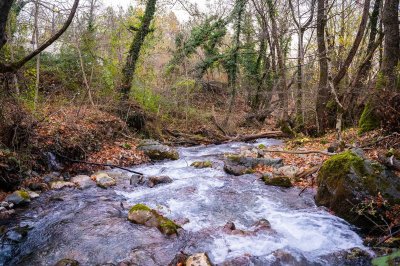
x,y
368,121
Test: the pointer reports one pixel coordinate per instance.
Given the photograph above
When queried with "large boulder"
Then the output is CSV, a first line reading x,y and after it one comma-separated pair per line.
x,y
157,151
141,214
347,179
18,197
240,165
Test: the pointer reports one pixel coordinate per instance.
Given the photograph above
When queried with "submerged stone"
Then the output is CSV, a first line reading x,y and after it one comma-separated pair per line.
x,y
67,262
156,180
141,214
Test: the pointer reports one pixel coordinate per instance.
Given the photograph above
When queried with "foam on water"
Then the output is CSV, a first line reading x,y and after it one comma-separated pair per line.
x,y
209,198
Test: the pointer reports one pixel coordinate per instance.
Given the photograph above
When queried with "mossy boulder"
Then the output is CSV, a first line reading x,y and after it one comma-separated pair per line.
x,y
156,151
347,179
368,120
278,181
201,164
19,197
141,214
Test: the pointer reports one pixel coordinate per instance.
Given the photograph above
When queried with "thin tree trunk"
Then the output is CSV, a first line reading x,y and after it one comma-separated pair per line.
x,y
35,45
391,51
323,90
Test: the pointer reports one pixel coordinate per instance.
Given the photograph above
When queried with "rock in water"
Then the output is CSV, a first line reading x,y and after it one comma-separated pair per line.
x,y
103,180
346,179
200,164
156,180
234,169
141,214
83,181
19,197
199,259
67,262
61,184
158,151
278,181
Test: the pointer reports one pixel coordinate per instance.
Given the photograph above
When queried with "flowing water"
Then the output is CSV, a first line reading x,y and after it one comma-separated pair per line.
x,y
91,227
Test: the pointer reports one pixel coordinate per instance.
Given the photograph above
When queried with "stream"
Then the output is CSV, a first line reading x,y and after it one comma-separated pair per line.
x,y
91,225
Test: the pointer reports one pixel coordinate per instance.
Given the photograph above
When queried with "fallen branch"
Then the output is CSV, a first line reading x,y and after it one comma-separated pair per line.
x,y
268,134
308,172
378,140
99,164
302,152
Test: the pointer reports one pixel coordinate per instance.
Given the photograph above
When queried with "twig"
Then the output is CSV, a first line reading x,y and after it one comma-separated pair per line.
x,y
99,164
302,152
387,237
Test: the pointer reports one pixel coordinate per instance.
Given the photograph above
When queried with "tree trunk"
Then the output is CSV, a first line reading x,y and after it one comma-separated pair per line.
x,y
391,42
323,90
134,50
283,93
5,7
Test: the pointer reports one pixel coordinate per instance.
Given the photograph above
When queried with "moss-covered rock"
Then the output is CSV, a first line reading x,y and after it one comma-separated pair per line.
x,y
279,181
202,164
141,214
368,120
19,197
346,179
157,151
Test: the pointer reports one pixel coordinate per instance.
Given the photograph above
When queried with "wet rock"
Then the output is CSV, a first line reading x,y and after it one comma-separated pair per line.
x,y
83,181
103,180
136,180
278,181
19,197
157,151
252,162
354,256
156,180
346,179
234,169
283,257
33,195
38,186
179,259
61,184
199,259
289,171
201,164
262,225
67,262
52,177
141,214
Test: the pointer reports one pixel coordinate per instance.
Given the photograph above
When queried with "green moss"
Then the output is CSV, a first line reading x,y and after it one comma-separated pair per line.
x,y
139,207
23,194
280,181
249,171
339,165
368,120
387,260
200,164
234,157
261,146
167,226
